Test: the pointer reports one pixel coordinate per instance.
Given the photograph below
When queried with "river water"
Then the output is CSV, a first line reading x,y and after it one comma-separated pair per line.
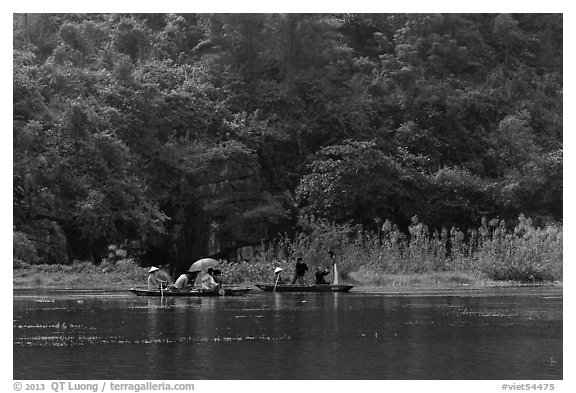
x,y
512,334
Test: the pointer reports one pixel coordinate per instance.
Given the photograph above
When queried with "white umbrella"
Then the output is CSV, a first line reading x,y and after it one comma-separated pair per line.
x,y
203,264
278,270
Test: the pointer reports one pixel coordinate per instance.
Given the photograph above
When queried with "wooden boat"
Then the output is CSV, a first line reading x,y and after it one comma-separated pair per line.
x,y
334,287
226,291
305,288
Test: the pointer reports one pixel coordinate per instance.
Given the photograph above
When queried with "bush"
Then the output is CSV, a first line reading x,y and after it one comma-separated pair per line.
x,y
527,254
18,264
127,265
81,266
23,249
244,272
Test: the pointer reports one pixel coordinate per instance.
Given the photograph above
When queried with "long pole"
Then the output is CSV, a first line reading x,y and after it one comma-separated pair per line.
x,y
276,283
162,288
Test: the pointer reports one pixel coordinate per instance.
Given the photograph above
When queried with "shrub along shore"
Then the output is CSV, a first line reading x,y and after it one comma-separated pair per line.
x,y
491,255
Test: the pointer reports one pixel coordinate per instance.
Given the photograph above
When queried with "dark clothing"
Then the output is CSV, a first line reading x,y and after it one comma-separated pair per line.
x,y
299,272
301,268
320,276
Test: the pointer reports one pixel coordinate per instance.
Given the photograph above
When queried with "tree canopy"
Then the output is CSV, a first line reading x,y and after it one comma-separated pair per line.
x,y
348,117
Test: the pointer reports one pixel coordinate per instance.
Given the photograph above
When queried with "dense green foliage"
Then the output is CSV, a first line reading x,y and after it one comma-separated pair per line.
x,y
351,118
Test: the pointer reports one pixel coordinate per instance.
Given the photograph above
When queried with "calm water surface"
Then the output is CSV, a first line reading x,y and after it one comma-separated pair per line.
x,y
488,334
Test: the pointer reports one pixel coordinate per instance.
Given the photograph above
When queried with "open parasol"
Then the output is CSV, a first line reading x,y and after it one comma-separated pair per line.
x,y
203,264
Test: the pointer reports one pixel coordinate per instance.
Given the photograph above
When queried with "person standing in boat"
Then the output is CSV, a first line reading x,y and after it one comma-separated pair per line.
x,y
209,281
320,273
186,280
217,275
299,271
333,263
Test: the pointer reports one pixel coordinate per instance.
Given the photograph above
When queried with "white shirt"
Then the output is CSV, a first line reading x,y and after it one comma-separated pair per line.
x,y
181,282
208,282
153,282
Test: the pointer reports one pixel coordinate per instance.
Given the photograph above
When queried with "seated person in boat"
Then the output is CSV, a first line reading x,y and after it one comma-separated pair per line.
x,y
299,271
320,273
217,275
155,279
208,280
186,280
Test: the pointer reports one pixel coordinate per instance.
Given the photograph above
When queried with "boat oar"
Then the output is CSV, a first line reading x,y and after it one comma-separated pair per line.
x,y
162,288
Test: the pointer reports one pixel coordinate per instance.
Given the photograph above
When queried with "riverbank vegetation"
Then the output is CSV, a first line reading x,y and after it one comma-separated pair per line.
x,y
491,253
171,137
79,275
525,253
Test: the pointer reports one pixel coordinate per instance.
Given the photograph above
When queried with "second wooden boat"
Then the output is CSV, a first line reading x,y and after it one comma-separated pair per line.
x,y
305,288
334,287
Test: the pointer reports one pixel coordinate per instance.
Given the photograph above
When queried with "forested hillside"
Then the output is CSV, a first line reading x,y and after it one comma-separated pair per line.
x,y
179,136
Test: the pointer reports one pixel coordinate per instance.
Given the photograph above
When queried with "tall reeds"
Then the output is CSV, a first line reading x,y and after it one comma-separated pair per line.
x,y
524,253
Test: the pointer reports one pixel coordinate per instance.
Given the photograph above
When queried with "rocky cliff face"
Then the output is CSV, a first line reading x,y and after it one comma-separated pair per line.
x,y
218,207
228,191
234,212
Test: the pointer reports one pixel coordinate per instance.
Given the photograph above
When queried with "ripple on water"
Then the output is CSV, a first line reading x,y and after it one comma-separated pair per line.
x,y
59,325
44,300
70,341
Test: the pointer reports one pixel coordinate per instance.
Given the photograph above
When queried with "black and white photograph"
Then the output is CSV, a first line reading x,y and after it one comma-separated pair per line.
x,y
295,199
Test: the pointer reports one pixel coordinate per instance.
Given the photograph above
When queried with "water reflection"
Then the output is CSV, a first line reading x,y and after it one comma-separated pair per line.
x,y
289,336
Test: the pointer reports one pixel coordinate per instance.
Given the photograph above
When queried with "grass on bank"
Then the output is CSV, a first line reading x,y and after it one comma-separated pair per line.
x,y
122,274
